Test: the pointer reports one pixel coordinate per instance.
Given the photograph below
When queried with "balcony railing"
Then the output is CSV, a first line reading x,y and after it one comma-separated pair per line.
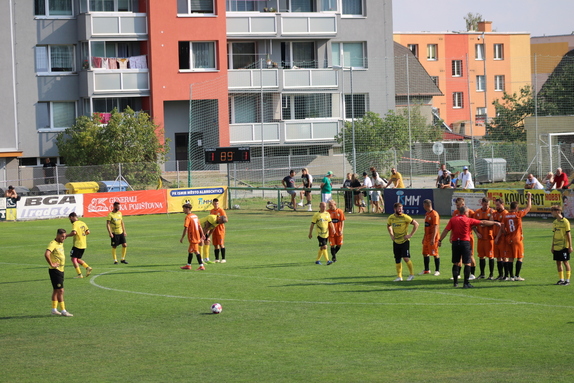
x,y
281,24
301,78
251,78
120,81
288,131
111,24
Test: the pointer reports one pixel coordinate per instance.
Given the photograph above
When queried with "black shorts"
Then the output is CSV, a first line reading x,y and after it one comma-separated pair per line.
x,y
118,239
461,251
561,255
307,192
57,278
77,253
401,250
323,241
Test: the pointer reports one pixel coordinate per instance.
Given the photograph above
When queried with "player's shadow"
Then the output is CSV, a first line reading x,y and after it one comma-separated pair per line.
x,y
271,266
26,317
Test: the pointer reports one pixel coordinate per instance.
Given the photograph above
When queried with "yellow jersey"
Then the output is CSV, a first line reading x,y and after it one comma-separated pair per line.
x,y
211,219
80,240
560,227
321,221
115,220
400,225
57,254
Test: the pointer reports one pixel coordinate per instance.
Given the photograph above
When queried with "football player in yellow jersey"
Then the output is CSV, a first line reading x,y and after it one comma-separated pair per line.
x,y
117,232
561,244
209,223
397,225
79,231
324,224
56,258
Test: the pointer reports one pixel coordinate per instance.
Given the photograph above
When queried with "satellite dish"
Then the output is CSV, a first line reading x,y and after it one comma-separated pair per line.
x,y
438,148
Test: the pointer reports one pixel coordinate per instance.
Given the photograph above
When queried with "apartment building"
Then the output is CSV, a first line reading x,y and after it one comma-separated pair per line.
x,y
223,71
472,69
547,52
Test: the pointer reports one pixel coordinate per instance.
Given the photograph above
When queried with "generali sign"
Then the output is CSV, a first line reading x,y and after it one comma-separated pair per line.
x,y
132,203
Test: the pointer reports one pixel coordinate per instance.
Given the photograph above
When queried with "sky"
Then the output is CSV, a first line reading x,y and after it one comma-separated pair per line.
x,y
539,17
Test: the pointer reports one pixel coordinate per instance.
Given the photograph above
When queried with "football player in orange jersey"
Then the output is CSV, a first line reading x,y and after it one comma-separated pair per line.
x,y
512,228
485,238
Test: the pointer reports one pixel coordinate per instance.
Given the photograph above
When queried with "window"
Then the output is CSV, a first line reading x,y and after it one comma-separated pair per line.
x,y
456,68
53,7
479,52
242,56
54,58
329,5
110,5
414,48
302,106
432,52
56,115
195,7
348,54
499,83
352,7
499,51
457,100
300,54
196,55
480,83
355,107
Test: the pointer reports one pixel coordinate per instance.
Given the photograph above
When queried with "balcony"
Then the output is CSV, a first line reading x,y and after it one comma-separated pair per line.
x,y
265,24
320,130
112,24
302,78
113,82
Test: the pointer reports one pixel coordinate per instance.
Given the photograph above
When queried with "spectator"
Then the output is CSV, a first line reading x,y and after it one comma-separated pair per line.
x,y
441,171
326,187
532,183
367,184
348,194
396,180
454,178
376,197
445,180
374,173
356,185
307,185
11,193
289,184
548,181
560,179
466,179
49,171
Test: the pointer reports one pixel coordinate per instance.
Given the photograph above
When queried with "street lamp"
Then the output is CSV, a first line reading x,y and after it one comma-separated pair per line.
x,y
342,68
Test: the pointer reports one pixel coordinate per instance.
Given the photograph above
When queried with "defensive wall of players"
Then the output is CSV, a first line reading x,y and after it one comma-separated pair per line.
x,y
171,200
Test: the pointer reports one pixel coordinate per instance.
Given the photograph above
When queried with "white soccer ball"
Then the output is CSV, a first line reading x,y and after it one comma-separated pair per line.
x,y
236,207
216,308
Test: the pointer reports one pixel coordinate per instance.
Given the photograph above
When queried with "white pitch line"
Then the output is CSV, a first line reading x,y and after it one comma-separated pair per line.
x,y
500,301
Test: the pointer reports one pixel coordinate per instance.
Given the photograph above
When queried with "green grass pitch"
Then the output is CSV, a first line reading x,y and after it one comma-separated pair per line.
x,y
284,318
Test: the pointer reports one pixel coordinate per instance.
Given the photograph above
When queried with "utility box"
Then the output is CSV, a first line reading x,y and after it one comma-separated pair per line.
x,y
457,165
82,187
113,186
490,170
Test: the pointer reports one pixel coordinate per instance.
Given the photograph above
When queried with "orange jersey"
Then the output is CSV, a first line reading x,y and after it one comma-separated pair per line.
x,y
193,229
497,216
432,221
219,231
512,223
337,217
484,215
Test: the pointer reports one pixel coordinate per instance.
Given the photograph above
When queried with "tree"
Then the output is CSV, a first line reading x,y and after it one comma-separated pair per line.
x,y
378,139
472,20
557,95
128,138
508,123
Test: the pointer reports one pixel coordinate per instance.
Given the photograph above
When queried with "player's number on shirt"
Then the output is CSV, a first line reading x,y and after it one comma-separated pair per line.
x,y
511,226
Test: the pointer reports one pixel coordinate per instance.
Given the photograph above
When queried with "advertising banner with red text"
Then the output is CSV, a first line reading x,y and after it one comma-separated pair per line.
x,y
132,203
199,198
542,200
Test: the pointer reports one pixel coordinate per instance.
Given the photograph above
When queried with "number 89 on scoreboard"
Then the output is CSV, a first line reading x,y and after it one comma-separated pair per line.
x,y
227,155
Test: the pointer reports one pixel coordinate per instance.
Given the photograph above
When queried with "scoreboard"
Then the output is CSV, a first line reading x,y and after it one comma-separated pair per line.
x,y
227,155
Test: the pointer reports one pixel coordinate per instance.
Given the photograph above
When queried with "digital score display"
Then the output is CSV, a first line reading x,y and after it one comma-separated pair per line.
x,y
227,155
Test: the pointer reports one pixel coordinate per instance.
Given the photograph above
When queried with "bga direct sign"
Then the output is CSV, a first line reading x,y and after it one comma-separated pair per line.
x,y
200,198
49,206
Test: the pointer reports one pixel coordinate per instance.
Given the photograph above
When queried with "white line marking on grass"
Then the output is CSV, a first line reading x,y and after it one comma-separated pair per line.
x,y
496,301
